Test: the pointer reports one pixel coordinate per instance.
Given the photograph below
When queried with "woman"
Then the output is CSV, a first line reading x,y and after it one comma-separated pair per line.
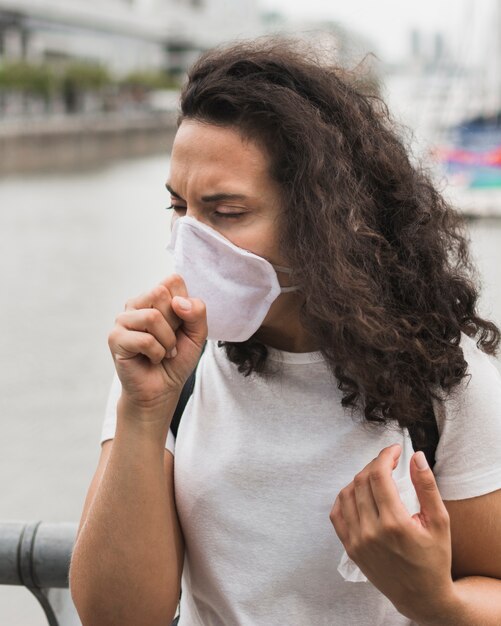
x,y
340,312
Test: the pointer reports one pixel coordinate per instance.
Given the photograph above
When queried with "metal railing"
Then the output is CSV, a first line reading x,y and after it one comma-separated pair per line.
x,y
37,555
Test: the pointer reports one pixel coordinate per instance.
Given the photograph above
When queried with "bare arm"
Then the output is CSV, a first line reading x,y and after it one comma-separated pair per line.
x,y
130,545
476,562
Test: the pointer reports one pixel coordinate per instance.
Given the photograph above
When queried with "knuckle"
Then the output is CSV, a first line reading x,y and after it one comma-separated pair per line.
x,y
176,280
152,316
161,352
347,494
147,342
343,494
390,527
334,513
375,475
160,292
360,479
112,338
124,317
368,536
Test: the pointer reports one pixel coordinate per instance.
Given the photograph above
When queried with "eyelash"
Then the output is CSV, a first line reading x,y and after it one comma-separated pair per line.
x,y
223,215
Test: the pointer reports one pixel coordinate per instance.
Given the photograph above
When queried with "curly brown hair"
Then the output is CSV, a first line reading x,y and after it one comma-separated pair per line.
x,y
382,258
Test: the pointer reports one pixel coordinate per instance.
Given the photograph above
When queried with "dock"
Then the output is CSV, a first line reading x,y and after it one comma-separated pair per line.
x,y
476,203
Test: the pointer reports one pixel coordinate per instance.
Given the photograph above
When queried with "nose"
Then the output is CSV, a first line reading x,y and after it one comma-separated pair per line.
x,y
196,214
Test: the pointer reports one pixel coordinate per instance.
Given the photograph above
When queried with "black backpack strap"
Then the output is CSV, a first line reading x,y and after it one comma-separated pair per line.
x,y
186,392
429,430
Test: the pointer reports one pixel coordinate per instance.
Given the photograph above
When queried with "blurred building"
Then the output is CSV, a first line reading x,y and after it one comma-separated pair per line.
x,y
337,43
334,42
123,35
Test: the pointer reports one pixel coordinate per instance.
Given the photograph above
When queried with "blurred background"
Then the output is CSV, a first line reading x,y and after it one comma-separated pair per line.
x,y
88,97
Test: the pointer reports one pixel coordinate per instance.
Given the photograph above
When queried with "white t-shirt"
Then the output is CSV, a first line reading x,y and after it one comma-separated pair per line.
x,y
258,464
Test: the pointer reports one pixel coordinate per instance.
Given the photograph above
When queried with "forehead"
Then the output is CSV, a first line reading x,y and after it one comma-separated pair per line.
x,y
215,156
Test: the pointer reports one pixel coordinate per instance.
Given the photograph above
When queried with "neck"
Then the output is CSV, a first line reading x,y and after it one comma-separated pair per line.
x,y
281,341
282,329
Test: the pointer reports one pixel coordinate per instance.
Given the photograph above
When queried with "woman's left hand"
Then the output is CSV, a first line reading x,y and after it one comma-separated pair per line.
x,y
408,558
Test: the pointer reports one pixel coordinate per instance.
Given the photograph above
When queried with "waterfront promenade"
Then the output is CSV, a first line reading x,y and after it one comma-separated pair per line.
x,y
67,142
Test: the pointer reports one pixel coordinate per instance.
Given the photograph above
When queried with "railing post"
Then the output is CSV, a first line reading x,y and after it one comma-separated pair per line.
x,y
37,555
26,570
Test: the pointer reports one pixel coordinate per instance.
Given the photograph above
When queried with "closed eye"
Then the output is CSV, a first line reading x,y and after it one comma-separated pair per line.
x,y
230,215
175,208
218,214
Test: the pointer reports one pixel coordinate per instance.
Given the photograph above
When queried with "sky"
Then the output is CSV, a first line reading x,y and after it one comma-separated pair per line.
x,y
388,22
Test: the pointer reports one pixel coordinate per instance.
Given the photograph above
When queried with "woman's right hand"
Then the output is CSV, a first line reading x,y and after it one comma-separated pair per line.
x,y
156,343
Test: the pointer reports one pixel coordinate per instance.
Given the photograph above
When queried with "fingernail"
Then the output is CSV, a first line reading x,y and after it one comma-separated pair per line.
x,y
184,303
172,353
420,461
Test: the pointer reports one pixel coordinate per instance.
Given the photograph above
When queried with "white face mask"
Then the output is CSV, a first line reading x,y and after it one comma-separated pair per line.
x,y
237,286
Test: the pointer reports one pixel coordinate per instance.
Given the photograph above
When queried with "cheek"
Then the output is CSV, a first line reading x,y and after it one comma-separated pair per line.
x,y
260,239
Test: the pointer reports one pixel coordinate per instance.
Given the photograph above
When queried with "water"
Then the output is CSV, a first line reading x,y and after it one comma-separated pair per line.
x,y
74,248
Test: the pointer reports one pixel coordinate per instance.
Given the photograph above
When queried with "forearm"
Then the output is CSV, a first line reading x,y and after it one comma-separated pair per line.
x,y
125,568
476,601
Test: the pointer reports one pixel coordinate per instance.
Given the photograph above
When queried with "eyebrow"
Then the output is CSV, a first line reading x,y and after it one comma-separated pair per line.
x,y
217,197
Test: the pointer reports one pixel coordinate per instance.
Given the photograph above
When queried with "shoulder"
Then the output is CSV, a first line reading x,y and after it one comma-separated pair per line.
x,y
480,389
477,359
468,458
